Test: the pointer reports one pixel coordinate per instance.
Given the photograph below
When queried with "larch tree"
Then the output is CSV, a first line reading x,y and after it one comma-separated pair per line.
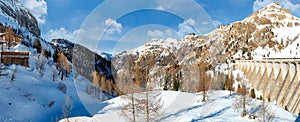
x,y
229,82
204,79
63,65
142,102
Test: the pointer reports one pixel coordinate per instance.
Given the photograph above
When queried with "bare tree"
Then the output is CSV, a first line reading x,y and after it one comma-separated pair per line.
x,y
54,73
40,66
266,114
242,100
130,106
152,104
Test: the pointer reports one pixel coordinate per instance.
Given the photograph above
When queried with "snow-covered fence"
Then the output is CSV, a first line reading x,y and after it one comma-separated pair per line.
x,y
279,80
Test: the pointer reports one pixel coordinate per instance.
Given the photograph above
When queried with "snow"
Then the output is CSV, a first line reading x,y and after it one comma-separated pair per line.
x,y
29,95
105,55
167,46
289,35
180,106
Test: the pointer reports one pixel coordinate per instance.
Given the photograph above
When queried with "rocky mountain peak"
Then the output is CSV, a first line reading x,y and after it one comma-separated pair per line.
x,y
273,14
275,7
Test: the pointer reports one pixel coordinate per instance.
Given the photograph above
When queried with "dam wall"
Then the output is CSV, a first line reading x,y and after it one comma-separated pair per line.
x,y
277,79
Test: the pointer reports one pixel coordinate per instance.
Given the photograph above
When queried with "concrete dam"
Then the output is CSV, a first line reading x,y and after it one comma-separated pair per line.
x,y
279,80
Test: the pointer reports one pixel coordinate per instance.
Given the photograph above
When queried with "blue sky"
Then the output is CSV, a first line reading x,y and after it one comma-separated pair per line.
x,y
64,18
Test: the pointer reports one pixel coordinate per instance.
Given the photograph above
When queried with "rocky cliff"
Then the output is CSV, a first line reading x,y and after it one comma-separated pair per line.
x,y
13,12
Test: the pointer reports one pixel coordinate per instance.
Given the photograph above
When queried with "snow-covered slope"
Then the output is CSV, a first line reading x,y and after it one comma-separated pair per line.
x,y
180,106
285,29
28,95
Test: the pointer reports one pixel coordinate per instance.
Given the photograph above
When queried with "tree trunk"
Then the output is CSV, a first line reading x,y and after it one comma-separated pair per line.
x,y
62,75
244,102
147,107
133,108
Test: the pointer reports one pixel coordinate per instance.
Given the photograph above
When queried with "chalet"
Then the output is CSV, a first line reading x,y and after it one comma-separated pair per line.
x,y
11,39
19,58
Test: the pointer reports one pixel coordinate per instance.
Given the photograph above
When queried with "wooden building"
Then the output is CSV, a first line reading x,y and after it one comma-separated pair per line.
x,y
19,58
11,39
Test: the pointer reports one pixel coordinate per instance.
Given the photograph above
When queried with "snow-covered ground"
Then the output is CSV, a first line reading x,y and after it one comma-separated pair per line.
x,y
32,97
182,107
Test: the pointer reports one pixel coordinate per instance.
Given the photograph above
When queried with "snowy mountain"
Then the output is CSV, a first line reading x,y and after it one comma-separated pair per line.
x,y
14,14
272,32
181,106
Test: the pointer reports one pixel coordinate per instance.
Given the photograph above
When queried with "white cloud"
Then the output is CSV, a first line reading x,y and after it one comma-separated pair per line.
x,y
295,8
161,34
113,26
38,8
62,33
186,26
